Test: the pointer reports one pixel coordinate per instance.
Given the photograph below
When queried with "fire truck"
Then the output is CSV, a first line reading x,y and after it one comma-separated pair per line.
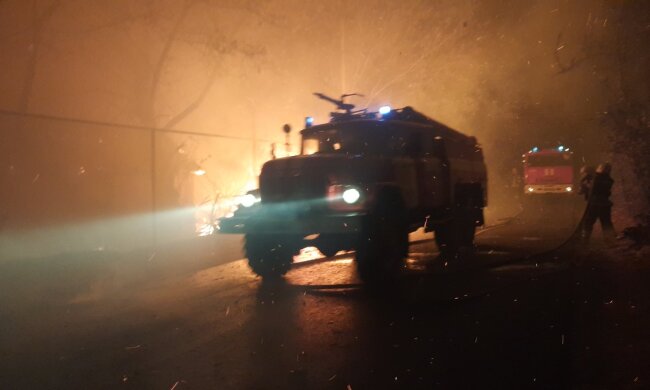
x,y
362,182
549,171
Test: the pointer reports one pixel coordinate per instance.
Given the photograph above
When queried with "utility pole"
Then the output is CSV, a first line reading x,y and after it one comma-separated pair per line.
x,y
342,49
154,221
253,138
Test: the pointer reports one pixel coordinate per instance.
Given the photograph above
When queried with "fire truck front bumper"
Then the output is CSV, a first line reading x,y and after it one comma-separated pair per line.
x,y
532,189
291,223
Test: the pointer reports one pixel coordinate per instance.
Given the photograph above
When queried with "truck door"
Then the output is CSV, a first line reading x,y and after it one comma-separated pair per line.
x,y
403,150
442,185
431,174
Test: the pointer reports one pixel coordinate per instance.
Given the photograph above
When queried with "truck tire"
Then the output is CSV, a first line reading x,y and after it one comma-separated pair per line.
x,y
458,232
269,255
330,244
467,228
447,238
328,251
383,243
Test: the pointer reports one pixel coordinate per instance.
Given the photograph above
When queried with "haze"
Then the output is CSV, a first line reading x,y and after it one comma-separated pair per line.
x,y
89,87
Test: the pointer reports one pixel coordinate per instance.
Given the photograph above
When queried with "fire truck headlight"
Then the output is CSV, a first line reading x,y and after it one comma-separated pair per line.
x,y
351,195
569,189
248,200
530,189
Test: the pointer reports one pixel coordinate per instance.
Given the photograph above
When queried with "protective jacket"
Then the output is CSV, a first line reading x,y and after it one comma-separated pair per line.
x,y
601,189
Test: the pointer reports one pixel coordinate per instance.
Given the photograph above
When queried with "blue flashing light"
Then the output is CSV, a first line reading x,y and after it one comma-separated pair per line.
x,y
535,149
309,121
560,148
383,110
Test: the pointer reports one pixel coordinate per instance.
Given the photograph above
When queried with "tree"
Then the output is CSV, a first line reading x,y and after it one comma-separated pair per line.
x,y
131,62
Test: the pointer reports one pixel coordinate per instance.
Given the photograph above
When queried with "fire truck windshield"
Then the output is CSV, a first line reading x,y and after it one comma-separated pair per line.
x,y
334,141
346,141
548,160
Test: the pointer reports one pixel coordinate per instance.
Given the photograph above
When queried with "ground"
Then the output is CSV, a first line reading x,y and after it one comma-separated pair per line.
x,y
570,318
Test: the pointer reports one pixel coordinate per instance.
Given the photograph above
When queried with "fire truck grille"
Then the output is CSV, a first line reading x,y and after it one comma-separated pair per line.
x,y
290,188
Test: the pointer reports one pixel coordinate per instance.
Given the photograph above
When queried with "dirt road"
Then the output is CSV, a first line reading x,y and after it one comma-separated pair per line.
x,y
557,320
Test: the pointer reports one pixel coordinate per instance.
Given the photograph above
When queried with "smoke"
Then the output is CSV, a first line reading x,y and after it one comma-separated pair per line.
x,y
515,74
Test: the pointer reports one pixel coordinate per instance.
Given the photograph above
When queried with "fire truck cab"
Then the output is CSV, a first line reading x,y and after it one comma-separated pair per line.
x,y
549,171
362,182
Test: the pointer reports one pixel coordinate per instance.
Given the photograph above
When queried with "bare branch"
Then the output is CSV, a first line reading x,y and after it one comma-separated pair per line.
x,y
38,25
162,59
562,67
196,103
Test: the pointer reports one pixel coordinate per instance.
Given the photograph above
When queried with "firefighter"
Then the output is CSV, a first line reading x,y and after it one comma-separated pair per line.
x,y
516,186
587,173
516,182
599,207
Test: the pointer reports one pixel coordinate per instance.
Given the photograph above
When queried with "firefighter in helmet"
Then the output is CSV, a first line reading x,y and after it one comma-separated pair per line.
x,y
599,207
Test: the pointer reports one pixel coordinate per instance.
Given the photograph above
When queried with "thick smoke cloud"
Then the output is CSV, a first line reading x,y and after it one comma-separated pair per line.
x,y
515,74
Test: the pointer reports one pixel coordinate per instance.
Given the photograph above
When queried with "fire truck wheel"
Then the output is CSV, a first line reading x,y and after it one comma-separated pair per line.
x,y
330,244
382,245
467,228
447,238
457,232
269,255
328,251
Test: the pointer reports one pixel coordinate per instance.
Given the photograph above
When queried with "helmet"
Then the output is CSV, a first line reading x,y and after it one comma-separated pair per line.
x,y
604,168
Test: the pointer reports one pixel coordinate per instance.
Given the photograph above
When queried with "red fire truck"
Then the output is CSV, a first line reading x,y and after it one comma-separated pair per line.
x,y
364,181
549,171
